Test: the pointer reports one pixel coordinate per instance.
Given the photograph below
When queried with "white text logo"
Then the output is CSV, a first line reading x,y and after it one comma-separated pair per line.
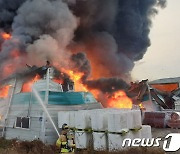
x,y
170,144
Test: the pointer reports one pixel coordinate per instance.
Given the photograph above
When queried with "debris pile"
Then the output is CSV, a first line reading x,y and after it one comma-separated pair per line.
x,y
159,100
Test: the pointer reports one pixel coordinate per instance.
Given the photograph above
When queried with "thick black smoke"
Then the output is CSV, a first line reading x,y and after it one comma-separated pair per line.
x,y
107,85
116,31
82,64
113,34
8,10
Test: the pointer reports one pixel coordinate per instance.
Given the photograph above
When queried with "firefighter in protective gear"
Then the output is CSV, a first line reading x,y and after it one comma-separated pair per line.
x,y
65,141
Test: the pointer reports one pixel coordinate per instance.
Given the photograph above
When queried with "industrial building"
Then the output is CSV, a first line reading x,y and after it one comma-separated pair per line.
x,y
23,118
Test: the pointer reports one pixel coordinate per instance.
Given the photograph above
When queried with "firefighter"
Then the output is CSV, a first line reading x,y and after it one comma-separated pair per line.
x,y
65,141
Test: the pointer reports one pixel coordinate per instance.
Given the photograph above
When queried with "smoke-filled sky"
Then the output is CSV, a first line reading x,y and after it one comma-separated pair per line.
x,y
162,58
101,38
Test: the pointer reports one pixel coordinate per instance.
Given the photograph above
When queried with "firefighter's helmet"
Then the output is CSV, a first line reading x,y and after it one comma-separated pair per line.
x,y
64,127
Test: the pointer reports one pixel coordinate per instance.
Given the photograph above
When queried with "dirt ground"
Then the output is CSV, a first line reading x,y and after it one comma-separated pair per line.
x,y
37,147
17,147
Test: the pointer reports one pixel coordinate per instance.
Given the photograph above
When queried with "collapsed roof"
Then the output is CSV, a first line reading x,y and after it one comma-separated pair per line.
x,y
163,92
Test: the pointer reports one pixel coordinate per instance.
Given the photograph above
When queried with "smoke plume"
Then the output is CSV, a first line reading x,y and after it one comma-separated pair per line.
x,y
82,64
107,85
111,35
116,32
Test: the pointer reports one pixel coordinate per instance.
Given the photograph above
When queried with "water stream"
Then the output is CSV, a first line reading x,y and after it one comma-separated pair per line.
x,y
44,108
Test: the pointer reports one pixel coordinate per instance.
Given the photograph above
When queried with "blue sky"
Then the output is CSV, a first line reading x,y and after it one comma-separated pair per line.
x,y
163,56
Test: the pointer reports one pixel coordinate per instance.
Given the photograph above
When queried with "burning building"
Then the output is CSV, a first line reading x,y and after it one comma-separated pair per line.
x,y
23,117
111,36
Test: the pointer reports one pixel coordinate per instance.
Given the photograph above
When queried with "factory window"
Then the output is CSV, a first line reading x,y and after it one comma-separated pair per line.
x,y
71,87
18,122
23,122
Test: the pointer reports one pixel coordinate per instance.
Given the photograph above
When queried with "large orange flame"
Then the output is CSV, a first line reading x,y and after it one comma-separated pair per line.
x,y
119,100
27,86
76,77
4,91
6,36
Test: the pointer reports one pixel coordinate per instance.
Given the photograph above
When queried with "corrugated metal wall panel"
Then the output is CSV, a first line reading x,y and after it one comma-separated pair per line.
x,y
21,134
10,122
26,110
48,124
50,139
26,98
23,113
41,85
51,133
40,125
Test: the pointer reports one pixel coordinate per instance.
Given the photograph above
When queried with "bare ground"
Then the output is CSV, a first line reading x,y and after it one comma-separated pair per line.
x,y
37,147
